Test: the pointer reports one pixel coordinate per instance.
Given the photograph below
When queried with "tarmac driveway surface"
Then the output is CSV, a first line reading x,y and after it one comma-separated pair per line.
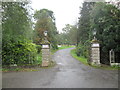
x,y
68,73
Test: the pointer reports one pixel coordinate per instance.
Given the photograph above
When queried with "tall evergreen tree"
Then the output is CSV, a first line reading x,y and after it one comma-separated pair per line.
x,y
106,19
84,22
84,29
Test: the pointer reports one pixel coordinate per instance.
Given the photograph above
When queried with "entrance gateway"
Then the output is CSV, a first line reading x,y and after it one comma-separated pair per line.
x,y
95,52
45,51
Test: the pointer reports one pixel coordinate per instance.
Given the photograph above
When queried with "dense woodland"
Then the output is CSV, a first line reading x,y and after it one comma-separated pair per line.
x,y
102,17
17,33
21,41
105,19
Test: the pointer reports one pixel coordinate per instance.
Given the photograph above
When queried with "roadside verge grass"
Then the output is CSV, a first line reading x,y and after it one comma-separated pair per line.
x,y
84,61
81,59
18,69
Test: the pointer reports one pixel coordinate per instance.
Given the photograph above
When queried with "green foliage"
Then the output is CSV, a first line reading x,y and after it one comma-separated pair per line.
x,y
66,46
18,69
39,58
82,50
16,34
43,13
15,21
116,66
18,53
80,58
83,33
39,47
69,35
62,47
45,21
84,61
84,22
54,46
105,18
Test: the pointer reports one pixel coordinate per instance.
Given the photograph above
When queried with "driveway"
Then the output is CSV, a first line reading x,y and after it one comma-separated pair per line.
x,y
68,73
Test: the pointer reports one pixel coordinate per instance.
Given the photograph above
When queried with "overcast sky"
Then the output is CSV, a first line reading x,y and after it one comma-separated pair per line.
x,y
65,11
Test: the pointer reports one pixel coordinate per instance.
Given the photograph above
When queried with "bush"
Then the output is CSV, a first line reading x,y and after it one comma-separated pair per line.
x,y
54,46
82,50
39,47
18,53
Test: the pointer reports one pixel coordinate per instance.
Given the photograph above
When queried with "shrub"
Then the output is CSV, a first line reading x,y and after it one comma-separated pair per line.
x,y
54,46
20,52
39,47
82,50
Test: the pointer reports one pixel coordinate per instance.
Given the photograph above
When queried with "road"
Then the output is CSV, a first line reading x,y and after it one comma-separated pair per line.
x,y
68,73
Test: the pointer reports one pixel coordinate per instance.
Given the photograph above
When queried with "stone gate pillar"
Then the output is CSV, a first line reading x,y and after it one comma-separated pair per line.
x,y
45,55
95,52
45,51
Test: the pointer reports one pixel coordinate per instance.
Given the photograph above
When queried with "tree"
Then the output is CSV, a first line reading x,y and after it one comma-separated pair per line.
x,y
45,21
106,20
17,47
15,21
69,35
84,27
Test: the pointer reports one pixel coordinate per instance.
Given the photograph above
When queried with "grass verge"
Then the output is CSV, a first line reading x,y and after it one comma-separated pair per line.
x,y
84,61
81,59
18,69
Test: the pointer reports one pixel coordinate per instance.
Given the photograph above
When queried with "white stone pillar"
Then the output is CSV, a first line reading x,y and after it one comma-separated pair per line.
x,y
45,55
95,53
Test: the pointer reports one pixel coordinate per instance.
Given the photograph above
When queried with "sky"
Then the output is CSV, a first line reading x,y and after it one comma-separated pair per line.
x,y
65,11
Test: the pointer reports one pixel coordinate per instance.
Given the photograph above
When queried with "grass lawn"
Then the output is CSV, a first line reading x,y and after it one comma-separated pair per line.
x,y
84,61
